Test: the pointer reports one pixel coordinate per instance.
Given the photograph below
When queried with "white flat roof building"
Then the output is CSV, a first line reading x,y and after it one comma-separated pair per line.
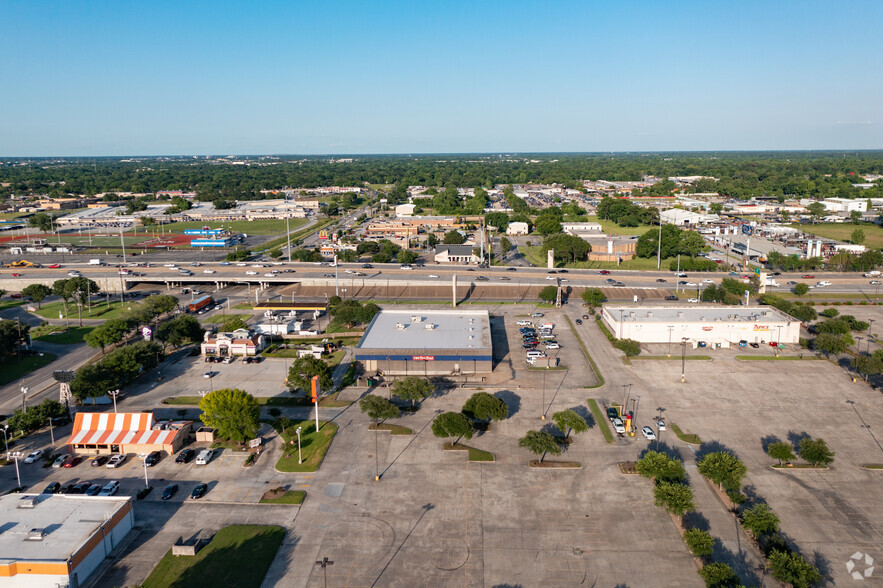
x,y
712,324
57,540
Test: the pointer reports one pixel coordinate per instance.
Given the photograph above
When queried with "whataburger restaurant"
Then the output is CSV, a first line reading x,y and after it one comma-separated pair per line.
x,y
126,432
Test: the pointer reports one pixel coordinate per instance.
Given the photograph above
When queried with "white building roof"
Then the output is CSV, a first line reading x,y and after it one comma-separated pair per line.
x,y
695,314
428,329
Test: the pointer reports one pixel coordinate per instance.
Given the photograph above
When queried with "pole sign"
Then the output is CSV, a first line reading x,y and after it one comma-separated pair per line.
x,y
314,389
146,333
747,229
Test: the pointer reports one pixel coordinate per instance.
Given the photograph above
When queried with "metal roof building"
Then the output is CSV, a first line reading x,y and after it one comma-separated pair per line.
x,y
420,342
103,433
57,540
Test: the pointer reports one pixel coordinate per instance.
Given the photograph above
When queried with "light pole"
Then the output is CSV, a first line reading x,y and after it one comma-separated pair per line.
x,y
144,461
24,395
670,329
299,459
113,394
376,453
16,455
543,408
683,359
51,432
325,562
5,439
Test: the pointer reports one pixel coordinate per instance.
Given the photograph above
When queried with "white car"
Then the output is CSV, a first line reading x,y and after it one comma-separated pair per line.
x,y
110,488
551,277
648,433
690,285
660,423
257,265
241,264
524,323
251,273
115,461
208,271
74,274
406,267
169,265
34,456
348,271
552,346
270,275
692,300
707,281
618,426
823,284
433,276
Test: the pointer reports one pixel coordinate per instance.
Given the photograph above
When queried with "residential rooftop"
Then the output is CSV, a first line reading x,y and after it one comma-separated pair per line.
x,y
428,329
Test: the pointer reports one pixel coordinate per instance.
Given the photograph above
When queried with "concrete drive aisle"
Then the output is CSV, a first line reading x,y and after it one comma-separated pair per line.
x,y
732,545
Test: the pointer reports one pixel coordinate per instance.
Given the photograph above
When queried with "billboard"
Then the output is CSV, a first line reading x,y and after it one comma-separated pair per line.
x,y
204,231
747,230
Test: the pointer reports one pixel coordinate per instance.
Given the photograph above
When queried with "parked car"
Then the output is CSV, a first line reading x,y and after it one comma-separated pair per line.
x,y
52,488
110,488
152,458
169,491
99,461
205,456
579,321
93,490
552,345
115,461
199,491
523,323
72,461
185,456
755,345
34,456
648,433
660,423
536,315
80,487
618,426
59,461
612,414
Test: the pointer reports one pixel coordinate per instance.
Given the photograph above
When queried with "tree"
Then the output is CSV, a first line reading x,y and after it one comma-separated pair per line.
x,y
412,388
452,424
723,468
36,292
42,221
12,335
379,408
454,238
406,256
276,253
816,210
233,413
815,451
566,248
482,406
804,313
304,368
568,421
830,344
107,333
593,297
659,466
160,304
505,245
234,324
630,347
780,451
431,240
760,520
180,330
856,217
858,236
674,497
549,294
719,575
540,443
800,289
792,568
701,544
716,207
548,225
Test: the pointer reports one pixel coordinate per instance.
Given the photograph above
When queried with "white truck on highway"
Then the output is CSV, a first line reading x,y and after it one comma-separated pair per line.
x,y
95,262
873,274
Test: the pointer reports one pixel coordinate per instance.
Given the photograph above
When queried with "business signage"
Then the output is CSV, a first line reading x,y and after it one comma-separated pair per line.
x,y
707,328
146,333
423,357
761,327
747,230
323,234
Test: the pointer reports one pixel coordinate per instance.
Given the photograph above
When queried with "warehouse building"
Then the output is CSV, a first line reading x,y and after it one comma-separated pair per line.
x,y
430,343
58,540
98,433
715,326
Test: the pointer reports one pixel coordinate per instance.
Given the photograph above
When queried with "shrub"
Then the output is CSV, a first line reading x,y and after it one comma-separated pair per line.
x,y
719,575
760,520
630,347
701,544
792,568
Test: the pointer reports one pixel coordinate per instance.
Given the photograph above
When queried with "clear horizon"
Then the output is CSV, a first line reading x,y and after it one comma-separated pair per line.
x,y
395,78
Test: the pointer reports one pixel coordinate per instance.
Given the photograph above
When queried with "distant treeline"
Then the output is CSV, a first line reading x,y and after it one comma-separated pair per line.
x,y
741,174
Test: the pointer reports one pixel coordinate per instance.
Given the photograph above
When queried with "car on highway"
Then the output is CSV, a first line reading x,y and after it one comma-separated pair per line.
x,y
406,266
358,274
681,275
251,273
241,265
34,456
72,273
691,284
168,265
552,272
661,280
551,278
199,491
186,455
481,278
367,266
604,272
54,266
115,461
110,488
648,433
505,278
671,297
208,271
692,300
169,491
269,275
510,269
707,281
349,271
328,275
808,277
874,282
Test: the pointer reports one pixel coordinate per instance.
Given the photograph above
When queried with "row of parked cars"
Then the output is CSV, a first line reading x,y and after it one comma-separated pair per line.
x,y
646,431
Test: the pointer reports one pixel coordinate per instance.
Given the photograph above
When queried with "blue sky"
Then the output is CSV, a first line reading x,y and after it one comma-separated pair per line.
x,y
121,78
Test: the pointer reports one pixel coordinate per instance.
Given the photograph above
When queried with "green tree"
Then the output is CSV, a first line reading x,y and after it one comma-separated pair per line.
x,y
630,347
816,210
406,256
856,217
549,294
276,253
454,238
760,520
431,240
701,544
379,408
800,289
593,297
159,304
233,413
412,388
804,313
505,244
94,380
719,575
659,466
716,207
107,333
781,451
793,569
815,451
234,324
568,421
180,330
42,221
858,236
304,368
482,406
723,468
452,424
548,225
540,443
831,344
674,497
36,292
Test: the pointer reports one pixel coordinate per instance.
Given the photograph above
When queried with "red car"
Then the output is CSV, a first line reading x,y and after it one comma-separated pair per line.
x,y
54,266
773,344
806,277
16,275
604,272
71,461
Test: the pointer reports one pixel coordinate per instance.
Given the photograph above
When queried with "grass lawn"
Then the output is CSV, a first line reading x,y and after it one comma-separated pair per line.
x,y
223,318
611,228
690,438
843,232
238,555
243,306
268,226
61,334
290,497
393,429
335,358
313,446
474,454
601,419
12,369
99,310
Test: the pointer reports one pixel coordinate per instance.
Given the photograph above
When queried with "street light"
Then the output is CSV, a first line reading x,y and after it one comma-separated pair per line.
x,y
16,455
143,457
51,432
113,394
5,439
670,329
24,395
299,459
683,359
325,562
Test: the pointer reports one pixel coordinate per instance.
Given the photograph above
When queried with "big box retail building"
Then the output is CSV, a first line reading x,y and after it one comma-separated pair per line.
x,y
716,326
427,343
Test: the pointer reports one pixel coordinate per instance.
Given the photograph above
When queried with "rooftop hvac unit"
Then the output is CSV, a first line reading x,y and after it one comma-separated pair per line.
x,y
649,314
36,534
400,326
416,319
429,326
632,314
701,318
680,314
718,319
27,502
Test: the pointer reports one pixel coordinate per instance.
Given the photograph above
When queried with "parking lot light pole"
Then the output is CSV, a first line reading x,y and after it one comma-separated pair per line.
x,y
670,329
543,408
299,459
5,439
113,394
683,359
325,562
16,455
51,432
144,461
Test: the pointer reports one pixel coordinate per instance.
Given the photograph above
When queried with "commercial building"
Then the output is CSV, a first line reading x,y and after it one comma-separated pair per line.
x,y
98,433
517,228
582,229
462,254
240,342
58,540
716,326
430,343
682,218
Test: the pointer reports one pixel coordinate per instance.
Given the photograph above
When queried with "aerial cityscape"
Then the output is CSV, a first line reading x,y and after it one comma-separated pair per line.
x,y
499,295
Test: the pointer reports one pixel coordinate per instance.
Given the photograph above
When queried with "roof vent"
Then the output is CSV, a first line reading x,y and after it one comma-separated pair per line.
x,y
400,326
649,314
632,314
718,319
701,318
680,314
416,319
429,326
29,501
36,534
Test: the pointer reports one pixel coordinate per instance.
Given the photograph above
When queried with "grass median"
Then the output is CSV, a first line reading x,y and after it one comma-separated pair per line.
x,y
238,555
313,445
586,353
60,335
690,438
601,419
474,454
